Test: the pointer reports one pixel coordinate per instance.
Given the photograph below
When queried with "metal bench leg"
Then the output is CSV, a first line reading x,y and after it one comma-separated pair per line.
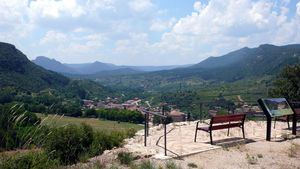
x,y
243,131
288,122
228,132
210,134
196,132
195,135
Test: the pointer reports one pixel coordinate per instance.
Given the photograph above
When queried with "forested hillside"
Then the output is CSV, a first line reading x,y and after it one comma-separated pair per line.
x,y
243,64
20,77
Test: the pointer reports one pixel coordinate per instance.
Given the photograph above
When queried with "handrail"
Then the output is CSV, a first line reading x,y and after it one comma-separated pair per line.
x,y
146,129
154,113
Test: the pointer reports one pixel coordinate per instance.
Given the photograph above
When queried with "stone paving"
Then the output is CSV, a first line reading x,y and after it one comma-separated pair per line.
x,y
180,138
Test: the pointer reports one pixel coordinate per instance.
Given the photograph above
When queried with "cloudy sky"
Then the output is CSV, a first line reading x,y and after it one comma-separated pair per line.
x,y
145,32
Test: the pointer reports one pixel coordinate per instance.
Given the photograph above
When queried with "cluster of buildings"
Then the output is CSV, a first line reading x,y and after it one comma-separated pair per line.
x,y
176,115
113,103
133,104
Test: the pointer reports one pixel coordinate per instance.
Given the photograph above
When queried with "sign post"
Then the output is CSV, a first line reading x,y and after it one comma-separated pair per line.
x,y
276,107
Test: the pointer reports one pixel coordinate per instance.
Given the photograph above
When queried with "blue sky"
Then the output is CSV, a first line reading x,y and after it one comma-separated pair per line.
x,y
145,32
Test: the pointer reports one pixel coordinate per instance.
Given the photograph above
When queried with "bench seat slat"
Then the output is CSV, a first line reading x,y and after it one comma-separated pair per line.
x,y
225,126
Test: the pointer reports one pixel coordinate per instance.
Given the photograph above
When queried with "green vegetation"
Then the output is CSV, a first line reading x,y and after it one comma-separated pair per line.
x,y
63,145
172,165
41,90
96,124
192,165
146,164
28,160
287,83
17,127
125,158
17,71
69,143
121,115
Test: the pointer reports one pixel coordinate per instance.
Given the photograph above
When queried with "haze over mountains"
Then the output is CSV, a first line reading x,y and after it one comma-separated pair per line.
x,y
97,67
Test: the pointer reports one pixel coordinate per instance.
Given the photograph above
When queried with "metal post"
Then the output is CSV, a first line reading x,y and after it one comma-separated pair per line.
x,y
147,123
145,134
269,123
294,127
165,135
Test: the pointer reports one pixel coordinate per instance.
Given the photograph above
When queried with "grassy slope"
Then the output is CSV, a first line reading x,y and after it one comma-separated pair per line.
x,y
97,124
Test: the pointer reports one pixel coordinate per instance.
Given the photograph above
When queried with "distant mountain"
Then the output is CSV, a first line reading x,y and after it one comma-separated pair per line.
x,y
18,72
91,68
97,67
217,62
52,64
245,63
121,71
156,68
263,60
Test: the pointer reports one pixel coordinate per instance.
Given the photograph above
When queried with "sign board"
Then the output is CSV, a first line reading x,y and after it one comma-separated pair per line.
x,y
277,107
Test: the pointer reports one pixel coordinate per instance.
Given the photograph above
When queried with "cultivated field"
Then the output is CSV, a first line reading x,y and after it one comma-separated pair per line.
x,y
100,125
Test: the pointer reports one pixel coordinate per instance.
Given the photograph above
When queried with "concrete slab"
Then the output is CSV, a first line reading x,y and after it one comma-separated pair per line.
x,y
180,139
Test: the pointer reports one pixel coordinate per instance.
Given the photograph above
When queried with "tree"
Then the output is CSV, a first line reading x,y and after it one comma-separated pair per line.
x,y
90,113
287,83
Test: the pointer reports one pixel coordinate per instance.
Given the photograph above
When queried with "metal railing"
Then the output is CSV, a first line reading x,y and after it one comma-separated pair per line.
x,y
146,126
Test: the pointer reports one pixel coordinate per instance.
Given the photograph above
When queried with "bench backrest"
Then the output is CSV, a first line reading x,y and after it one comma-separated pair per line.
x,y
228,118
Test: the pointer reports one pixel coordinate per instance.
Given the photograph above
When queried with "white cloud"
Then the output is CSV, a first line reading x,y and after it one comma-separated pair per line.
x,y
55,9
140,5
198,6
142,32
53,37
159,25
298,8
220,27
13,22
74,46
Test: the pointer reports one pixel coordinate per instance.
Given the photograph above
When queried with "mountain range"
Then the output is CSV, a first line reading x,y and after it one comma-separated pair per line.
x,y
96,68
242,64
17,72
246,63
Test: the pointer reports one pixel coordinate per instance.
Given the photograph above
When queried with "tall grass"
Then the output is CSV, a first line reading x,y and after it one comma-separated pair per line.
x,y
56,145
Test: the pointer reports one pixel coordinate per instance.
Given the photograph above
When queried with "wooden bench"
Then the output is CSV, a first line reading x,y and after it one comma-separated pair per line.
x,y
223,122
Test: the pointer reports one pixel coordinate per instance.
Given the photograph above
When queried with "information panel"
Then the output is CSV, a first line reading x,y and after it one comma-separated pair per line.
x,y
277,107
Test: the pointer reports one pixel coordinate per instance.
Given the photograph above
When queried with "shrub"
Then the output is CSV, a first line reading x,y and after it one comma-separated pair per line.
x,y
32,160
172,165
104,141
14,123
192,165
67,143
130,132
121,115
146,165
125,158
90,113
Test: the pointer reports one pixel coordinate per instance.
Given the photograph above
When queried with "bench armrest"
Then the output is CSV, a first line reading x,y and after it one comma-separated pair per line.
x,y
202,122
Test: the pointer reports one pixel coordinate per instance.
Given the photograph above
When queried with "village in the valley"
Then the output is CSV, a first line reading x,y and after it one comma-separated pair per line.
x,y
175,114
